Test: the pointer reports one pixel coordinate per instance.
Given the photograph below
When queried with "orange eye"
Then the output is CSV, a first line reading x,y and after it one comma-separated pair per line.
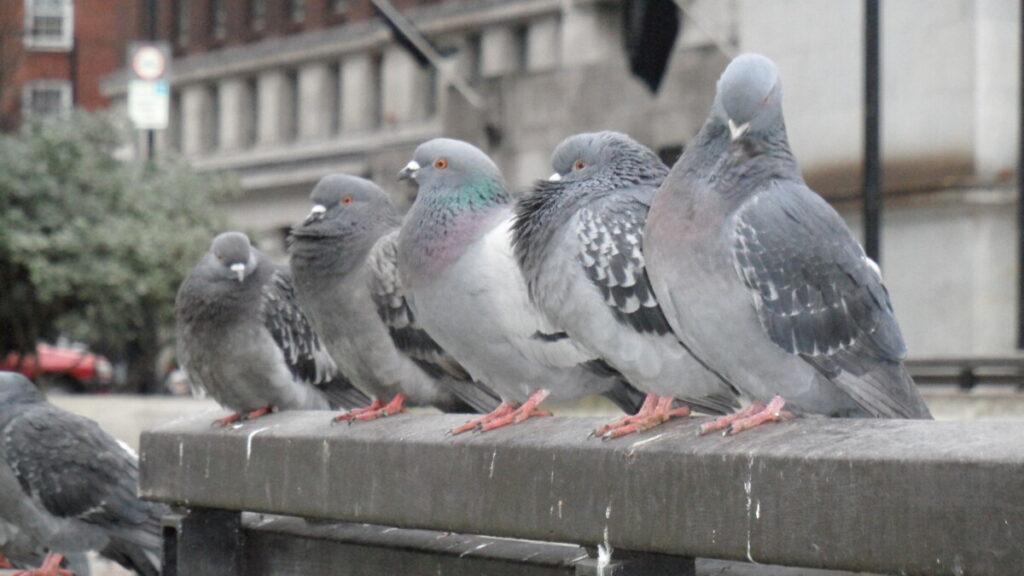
x,y
579,165
346,200
440,163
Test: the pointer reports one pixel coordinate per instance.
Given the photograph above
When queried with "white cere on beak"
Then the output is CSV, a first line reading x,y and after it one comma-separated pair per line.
x,y
556,177
318,209
738,131
409,172
239,270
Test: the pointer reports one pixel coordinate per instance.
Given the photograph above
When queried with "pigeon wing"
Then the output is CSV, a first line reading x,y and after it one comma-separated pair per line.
x,y
610,242
817,295
306,357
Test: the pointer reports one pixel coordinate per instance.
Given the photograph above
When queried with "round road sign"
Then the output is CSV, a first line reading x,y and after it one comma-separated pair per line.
x,y
149,63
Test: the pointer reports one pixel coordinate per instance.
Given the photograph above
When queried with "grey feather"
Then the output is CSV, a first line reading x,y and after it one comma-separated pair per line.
x,y
579,241
464,286
69,486
305,356
241,336
760,277
343,264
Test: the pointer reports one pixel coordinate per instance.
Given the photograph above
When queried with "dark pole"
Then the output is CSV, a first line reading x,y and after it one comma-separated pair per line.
x,y
73,70
151,35
1020,195
872,137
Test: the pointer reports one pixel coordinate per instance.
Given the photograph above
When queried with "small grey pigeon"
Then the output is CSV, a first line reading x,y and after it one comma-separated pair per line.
x,y
578,239
68,487
463,285
244,340
761,279
343,259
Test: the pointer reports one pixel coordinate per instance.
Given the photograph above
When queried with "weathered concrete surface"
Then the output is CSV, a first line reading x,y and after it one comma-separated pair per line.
x,y
887,496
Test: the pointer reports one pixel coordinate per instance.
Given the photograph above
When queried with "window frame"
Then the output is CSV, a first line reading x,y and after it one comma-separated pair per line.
x,y
65,42
62,86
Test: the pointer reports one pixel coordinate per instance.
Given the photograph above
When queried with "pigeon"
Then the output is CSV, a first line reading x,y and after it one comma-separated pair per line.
x,y
343,261
462,282
761,279
243,339
578,239
68,487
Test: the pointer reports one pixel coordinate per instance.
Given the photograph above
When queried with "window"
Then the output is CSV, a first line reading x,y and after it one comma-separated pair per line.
x,y
218,20
49,24
45,98
297,11
258,14
181,22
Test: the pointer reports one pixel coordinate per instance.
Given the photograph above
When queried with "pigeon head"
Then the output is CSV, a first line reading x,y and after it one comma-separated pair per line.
x,y
340,200
456,173
605,155
16,389
234,254
749,98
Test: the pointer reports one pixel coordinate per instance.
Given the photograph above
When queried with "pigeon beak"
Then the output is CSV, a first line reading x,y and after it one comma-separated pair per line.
x,y
738,131
317,213
409,172
556,177
239,270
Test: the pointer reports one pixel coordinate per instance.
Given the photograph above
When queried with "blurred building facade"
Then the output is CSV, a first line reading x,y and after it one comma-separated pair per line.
x,y
285,91
53,54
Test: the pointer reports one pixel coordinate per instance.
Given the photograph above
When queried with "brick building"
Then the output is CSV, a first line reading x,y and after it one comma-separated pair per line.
x,y
53,53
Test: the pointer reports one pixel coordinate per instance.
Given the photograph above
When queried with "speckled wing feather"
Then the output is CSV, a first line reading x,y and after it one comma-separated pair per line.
x,y
611,238
410,338
386,290
306,357
817,295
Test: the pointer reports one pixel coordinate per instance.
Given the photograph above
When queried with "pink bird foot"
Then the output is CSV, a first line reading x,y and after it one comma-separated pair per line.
x,y
750,417
50,567
656,410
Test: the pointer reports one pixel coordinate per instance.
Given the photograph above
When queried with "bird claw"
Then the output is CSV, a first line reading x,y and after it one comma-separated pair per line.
x,y
50,567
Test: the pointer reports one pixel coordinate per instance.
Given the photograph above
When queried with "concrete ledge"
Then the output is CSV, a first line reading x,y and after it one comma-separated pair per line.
x,y
884,496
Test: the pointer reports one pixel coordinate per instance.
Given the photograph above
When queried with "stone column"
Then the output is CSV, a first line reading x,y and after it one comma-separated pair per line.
x,y
543,47
588,35
403,87
359,94
232,95
272,88
315,101
196,111
499,51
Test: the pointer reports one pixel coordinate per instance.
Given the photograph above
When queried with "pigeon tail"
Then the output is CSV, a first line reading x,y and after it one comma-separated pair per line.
x,y
139,548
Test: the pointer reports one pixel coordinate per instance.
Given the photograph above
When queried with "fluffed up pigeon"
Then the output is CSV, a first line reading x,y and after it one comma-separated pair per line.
x,y
464,287
343,261
243,339
761,279
578,238
67,487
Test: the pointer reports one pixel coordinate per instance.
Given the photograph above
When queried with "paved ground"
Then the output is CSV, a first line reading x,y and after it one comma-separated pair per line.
x,y
126,416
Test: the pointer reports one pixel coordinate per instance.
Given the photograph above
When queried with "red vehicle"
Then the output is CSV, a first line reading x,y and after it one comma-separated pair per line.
x,y
64,368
